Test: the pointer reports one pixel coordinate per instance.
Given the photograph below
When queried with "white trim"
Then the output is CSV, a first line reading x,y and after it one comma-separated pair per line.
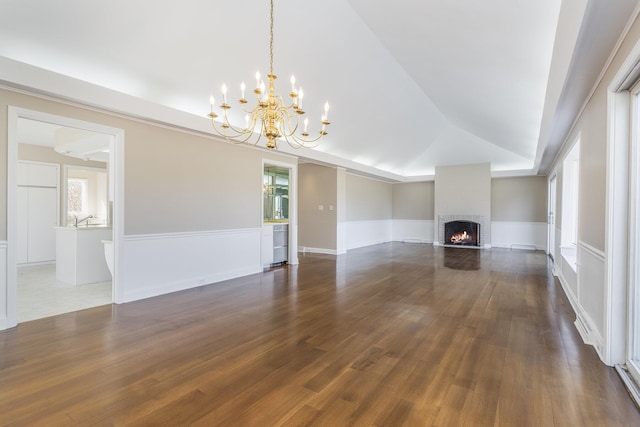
x,y
305,249
594,251
3,286
293,205
629,383
178,235
552,182
621,203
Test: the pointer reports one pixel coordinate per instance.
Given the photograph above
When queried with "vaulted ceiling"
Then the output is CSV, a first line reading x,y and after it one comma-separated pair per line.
x,y
412,84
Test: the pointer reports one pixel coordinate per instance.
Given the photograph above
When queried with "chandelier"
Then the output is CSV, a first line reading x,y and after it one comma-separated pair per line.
x,y
270,117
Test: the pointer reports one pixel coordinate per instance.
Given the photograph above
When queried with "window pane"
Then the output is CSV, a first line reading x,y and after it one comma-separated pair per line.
x,y
76,196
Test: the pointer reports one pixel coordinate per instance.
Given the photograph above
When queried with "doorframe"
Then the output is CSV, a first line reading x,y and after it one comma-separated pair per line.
x,y
293,207
551,215
116,173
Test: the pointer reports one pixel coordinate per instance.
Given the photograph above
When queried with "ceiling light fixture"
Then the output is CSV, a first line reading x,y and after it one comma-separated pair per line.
x,y
270,117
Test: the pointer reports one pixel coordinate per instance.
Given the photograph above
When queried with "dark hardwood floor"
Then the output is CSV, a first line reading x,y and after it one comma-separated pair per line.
x,y
389,335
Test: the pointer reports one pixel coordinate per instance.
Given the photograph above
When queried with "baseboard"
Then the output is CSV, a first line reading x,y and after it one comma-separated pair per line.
x,y
629,383
4,291
307,249
189,283
414,240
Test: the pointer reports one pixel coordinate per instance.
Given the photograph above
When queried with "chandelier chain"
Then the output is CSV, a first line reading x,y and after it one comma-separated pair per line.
x,y
271,41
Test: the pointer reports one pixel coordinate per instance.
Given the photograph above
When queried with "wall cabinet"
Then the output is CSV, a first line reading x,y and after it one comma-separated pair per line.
x,y
38,211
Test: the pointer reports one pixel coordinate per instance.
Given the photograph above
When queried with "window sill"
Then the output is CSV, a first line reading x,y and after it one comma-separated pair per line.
x,y
570,256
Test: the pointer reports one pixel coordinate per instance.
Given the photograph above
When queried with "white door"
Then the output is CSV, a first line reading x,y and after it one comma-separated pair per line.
x,y
551,220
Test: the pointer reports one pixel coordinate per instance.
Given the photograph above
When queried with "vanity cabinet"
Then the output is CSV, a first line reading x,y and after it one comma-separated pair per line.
x,y
80,254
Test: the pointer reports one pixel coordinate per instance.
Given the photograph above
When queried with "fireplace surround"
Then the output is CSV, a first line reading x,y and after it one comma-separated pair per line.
x,y
462,233
461,230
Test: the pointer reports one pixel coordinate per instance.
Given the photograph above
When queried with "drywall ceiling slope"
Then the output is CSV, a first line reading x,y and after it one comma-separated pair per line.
x,y
411,84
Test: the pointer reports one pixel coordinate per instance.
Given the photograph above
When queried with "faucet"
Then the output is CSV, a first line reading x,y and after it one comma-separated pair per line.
x,y
77,221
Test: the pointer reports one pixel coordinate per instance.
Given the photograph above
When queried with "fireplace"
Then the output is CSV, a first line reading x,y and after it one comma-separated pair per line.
x,y
461,233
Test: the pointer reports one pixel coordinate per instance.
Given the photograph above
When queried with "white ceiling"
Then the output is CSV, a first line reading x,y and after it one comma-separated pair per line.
x,y
412,84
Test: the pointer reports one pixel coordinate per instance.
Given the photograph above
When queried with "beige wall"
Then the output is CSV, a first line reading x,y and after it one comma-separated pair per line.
x,y
522,199
368,199
593,172
413,200
464,190
317,186
174,181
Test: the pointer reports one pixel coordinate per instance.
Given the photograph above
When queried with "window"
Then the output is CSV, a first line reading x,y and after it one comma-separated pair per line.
x,y
570,192
77,196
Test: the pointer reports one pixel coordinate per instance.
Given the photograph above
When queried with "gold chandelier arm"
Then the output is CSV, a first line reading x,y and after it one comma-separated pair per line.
x,y
229,132
288,131
227,124
234,139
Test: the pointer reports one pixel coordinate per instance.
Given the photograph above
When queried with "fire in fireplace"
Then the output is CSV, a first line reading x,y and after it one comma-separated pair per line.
x,y
462,233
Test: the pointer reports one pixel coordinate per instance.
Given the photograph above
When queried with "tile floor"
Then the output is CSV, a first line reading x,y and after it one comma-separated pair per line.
x,y
41,295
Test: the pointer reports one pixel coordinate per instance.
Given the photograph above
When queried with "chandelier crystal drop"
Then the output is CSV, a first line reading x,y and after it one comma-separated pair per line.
x,y
270,117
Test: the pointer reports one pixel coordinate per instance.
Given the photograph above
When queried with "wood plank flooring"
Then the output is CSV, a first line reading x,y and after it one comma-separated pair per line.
x,y
389,335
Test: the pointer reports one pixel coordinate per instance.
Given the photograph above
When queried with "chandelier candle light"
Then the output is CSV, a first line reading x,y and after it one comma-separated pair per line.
x,y
270,117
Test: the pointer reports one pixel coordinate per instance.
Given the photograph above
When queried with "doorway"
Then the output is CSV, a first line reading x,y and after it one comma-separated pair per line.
x,y
551,219
279,216
105,147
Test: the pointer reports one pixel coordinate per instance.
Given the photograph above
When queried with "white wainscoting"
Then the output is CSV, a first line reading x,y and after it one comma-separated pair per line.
x,y
367,233
591,293
157,264
585,291
412,230
4,309
519,235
